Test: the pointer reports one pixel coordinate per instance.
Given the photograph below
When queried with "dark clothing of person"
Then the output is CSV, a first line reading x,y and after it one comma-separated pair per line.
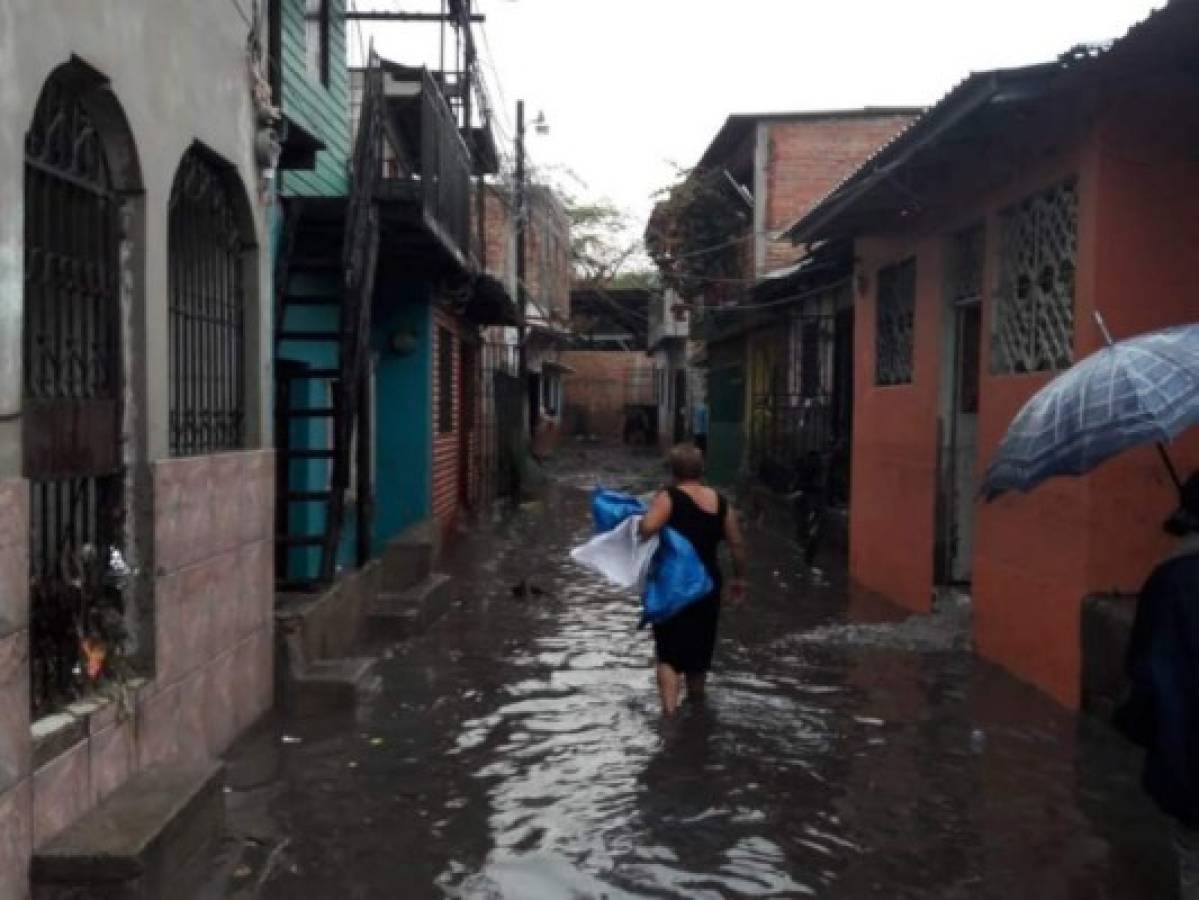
x,y
687,640
1162,709
701,441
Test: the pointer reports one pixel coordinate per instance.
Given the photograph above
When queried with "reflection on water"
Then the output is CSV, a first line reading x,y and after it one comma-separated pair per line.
x,y
517,752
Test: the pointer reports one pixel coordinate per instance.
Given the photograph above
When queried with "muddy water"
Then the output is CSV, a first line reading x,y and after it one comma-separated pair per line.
x,y
516,751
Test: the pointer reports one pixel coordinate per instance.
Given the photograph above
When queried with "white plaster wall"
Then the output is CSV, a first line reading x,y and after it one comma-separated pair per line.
x,y
179,70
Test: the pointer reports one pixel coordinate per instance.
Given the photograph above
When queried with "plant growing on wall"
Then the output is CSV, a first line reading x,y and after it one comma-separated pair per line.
x,y
698,234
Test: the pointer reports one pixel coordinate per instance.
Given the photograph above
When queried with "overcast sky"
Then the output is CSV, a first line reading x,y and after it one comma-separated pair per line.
x,y
631,87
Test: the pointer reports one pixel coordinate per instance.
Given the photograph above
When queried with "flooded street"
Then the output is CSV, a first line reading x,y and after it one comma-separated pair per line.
x,y
515,750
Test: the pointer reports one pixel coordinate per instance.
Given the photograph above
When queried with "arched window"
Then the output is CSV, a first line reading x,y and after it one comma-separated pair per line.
x,y
72,378
207,311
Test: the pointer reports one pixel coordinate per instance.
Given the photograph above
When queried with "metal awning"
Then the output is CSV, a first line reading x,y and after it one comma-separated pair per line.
x,y
300,146
489,303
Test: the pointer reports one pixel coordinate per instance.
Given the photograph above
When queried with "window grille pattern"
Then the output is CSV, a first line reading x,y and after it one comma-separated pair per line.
x,y
207,313
1034,303
895,314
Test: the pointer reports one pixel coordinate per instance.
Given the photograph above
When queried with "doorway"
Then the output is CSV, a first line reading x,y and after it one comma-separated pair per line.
x,y
679,399
959,402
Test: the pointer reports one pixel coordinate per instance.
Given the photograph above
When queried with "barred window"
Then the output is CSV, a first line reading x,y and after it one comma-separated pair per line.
x,y
207,312
445,380
895,313
1033,328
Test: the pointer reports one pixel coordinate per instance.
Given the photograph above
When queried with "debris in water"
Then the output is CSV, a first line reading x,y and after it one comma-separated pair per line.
x,y
291,739
978,740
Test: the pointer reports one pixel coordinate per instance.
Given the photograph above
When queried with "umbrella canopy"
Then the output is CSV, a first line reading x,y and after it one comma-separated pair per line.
x,y
1132,392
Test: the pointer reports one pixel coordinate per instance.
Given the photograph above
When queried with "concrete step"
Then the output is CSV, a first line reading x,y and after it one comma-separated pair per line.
x,y
406,564
330,686
402,614
138,841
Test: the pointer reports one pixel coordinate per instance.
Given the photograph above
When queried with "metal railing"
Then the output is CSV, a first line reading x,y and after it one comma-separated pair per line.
x,y
445,168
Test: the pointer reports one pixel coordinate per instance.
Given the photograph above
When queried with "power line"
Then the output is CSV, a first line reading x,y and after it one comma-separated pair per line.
x,y
778,301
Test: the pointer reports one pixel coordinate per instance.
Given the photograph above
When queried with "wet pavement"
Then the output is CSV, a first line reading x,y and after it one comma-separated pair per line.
x,y
516,750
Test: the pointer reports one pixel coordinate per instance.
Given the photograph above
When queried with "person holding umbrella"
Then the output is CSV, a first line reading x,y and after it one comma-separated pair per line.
x,y
1131,393
1162,710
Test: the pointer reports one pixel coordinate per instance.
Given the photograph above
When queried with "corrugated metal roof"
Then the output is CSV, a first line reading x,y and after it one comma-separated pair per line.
x,y
968,94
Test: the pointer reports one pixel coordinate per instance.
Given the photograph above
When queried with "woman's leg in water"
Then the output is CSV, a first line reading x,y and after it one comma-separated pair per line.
x,y
696,685
669,684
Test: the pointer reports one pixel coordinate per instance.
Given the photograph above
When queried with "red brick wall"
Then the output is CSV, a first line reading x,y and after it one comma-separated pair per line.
x,y
547,247
594,393
808,158
446,445
498,227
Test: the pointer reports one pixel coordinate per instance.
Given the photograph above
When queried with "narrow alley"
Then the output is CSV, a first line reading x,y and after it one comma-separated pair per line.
x,y
515,749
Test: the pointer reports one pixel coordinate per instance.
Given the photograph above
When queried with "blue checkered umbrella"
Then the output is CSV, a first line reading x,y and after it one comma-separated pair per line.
x,y
1133,392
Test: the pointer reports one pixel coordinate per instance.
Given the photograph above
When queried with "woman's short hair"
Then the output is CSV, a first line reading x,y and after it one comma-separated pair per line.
x,y
686,462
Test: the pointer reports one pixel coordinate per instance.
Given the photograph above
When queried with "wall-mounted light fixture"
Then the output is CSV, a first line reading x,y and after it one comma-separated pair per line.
x,y
402,342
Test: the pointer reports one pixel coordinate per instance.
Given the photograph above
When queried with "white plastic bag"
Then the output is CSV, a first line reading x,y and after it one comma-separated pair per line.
x,y
620,555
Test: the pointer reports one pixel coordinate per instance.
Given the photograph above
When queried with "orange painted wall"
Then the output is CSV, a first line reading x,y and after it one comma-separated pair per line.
x,y
894,446
1037,556
1147,262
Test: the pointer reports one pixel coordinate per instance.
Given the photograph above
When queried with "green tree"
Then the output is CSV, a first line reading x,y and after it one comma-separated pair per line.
x,y
698,235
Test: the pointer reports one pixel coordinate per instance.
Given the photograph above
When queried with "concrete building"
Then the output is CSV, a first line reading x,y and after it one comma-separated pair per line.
x,y
134,397
771,167
669,329
1046,195
547,300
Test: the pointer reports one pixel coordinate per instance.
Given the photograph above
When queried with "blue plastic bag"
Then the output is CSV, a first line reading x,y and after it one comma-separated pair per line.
x,y
677,576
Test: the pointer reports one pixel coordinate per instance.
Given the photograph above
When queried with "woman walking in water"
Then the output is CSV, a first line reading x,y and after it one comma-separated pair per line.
x,y
684,643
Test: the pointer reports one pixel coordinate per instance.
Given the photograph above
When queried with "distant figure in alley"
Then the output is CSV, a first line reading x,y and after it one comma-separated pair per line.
x,y
1162,711
683,644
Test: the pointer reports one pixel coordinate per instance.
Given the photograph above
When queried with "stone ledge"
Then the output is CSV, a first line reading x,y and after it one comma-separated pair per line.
x,y
55,734
137,838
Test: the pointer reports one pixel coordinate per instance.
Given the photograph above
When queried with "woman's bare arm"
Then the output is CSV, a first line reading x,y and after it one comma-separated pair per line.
x,y
657,516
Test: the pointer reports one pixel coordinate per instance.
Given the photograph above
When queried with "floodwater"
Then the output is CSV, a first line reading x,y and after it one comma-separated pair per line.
x,y
516,750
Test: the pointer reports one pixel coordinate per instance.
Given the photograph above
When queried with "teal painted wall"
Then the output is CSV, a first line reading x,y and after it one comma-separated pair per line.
x,y
322,109
726,411
403,412
309,474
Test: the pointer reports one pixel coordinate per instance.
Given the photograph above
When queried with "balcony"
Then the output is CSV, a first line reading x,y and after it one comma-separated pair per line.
x,y
425,191
669,318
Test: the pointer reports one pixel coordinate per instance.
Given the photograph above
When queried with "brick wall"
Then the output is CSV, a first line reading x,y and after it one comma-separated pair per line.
x,y
808,158
547,247
446,444
593,394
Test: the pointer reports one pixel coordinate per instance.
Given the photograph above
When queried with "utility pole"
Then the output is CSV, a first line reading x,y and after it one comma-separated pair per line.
x,y
521,300
522,329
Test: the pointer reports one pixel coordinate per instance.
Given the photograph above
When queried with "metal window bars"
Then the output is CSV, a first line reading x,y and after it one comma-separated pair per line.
x,y
895,314
72,386
207,311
